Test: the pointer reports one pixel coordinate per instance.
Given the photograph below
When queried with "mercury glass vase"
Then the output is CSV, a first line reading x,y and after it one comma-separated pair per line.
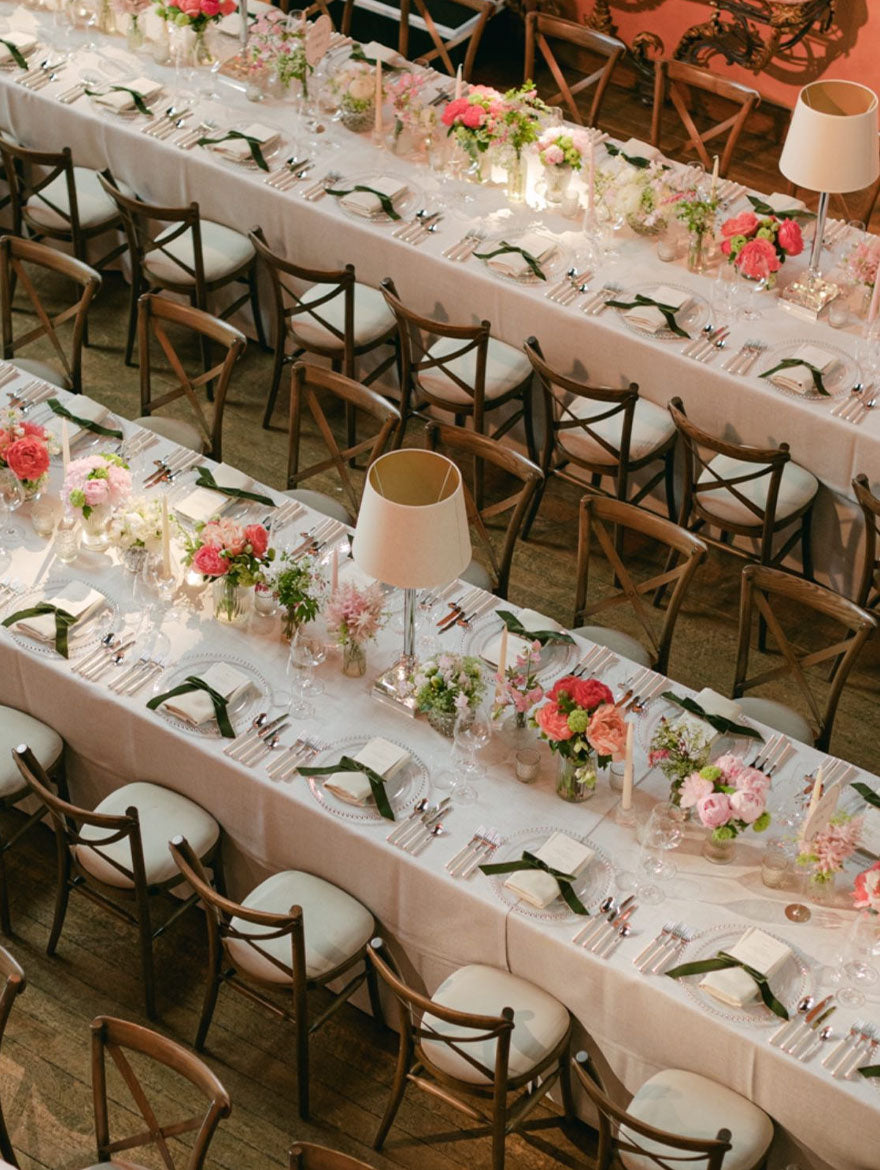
x,y
719,852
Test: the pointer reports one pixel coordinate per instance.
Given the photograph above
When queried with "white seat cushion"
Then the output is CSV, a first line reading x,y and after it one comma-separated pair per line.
x,y
163,814
686,1104
477,574
321,502
93,204
175,429
778,716
540,1021
224,251
617,641
796,489
335,924
17,728
44,370
506,368
372,318
652,427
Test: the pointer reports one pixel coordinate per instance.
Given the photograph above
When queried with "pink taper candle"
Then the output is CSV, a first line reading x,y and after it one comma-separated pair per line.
x,y
591,181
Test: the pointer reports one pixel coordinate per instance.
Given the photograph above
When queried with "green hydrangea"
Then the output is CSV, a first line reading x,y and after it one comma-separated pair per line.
x,y
710,772
578,720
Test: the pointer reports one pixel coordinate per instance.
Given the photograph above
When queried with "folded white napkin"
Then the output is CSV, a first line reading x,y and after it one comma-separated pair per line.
x,y
376,52
196,707
735,986
230,25
366,203
23,41
515,265
77,598
713,704
635,148
203,503
799,378
380,756
84,408
561,853
118,99
648,317
531,620
779,201
237,148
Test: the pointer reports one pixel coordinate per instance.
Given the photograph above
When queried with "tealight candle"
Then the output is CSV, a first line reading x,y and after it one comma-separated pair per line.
x,y
527,763
570,204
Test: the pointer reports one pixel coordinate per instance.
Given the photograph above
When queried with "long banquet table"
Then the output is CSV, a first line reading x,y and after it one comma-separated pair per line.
x,y
639,1023
321,234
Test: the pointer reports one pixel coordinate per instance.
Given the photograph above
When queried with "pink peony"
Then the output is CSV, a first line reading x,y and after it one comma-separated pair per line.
x,y
472,117
553,722
96,491
32,428
866,891
747,805
454,110
694,788
740,225
607,730
713,809
731,767
209,562
210,7
790,237
258,538
27,458
757,258
554,155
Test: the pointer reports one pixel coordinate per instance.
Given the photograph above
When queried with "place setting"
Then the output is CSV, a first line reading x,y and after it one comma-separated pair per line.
x,y
803,369
665,311
499,637
377,197
61,618
251,145
130,99
530,257
16,47
208,695
368,781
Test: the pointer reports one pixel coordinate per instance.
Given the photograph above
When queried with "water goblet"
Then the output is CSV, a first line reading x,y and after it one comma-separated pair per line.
x,y
11,499
300,669
472,733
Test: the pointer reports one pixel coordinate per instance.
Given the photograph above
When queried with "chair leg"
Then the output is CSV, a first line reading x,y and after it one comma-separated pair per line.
x,y
302,1068
62,897
499,1134
145,942
373,990
565,1087
208,1005
398,1088
277,369
807,544
134,293
5,919
254,295
669,483
534,507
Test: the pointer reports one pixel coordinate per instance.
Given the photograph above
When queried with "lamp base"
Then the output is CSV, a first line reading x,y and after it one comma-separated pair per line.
x,y
394,686
237,68
808,295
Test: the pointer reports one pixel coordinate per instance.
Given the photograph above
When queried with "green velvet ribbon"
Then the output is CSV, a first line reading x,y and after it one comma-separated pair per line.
x,y
63,622
236,135
86,423
205,479
867,794
529,861
762,207
722,962
543,636
789,363
668,311
15,53
138,98
722,726
504,248
194,683
377,784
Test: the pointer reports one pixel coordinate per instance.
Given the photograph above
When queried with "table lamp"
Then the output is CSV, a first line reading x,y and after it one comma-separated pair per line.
x,y
412,532
831,147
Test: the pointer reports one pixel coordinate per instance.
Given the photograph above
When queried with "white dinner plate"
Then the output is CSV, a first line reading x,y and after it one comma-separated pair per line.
x,y
556,263
691,318
78,641
839,379
591,885
241,711
407,786
649,720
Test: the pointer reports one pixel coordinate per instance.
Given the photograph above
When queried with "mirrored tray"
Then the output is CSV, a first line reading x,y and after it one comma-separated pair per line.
x,y
556,657
408,785
691,317
591,886
405,204
78,641
839,379
241,711
556,263
789,984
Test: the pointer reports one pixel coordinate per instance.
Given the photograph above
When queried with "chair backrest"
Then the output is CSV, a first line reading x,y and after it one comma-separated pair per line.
x,y
155,315
849,205
17,256
543,31
120,1038
562,396
466,446
307,1156
762,589
220,912
620,1133
700,448
467,31
609,521
68,821
360,403
676,80
28,173
870,505
14,983
470,1029
417,335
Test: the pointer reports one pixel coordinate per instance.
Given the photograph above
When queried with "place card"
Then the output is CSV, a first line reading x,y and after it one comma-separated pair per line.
x,y
560,852
756,949
820,818
380,756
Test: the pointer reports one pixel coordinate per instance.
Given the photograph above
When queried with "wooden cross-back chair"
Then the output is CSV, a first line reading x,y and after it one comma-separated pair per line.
x,y
326,313
609,522
307,1156
155,314
543,30
244,948
465,446
14,983
763,589
434,1036
88,843
119,1038
173,248
17,255
605,431
857,206
361,405
870,577
676,80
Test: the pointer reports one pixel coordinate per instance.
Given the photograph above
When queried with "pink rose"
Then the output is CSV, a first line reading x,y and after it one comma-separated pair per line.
x,y
31,428
740,225
27,458
192,8
694,788
227,6
790,237
757,258
747,805
258,538
472,117
553,722
209,563
210,8
866,891
713,809
96,491
453,110
607,730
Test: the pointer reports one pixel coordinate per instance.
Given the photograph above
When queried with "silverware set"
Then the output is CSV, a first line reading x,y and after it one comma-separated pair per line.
x,y
657,956
599,658
604,935
290,174
319,536
43,75
835,231
478,850
466,246
835,772
707,344
283,515
319,189
421,826
772,755
422,225
258,741
595,304
441,98
68,96
858,1047
644,686
166,124
145,670
469,606
137,443
31,395
287,764
567,290
743,360
168,468
804,1035
189,139
8,373
110,652
856,406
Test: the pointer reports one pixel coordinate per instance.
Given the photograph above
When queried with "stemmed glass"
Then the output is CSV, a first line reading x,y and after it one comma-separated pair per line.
x,y
854,968
11,499
472,733
725,294
662,832
300,669
753,284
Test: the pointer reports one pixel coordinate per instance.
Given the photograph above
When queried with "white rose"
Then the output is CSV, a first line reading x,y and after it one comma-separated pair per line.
x,y
629,198
361,88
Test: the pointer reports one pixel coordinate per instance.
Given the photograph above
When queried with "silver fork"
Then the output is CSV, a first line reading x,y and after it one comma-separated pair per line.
x,y
596,303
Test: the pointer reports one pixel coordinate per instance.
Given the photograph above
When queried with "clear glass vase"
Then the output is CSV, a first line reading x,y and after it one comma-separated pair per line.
x,y
231,600
94,528
517,172
556,181
696,257
719,852
354,660
575,779
201,50
134,34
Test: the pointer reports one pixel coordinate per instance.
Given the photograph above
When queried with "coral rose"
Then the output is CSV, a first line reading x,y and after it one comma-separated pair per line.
x,y
790,237
258,538
757,258
590,693
740,225
553,722
472,117
210,7
866,891
454,110
209,563
27,458
607,730
714,810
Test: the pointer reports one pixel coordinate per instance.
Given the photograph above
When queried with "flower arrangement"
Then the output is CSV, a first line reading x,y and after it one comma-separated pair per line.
x,y
139,524
355,87
297,583
728,796
24,450
485,117
826,853
866,889
277,44
448,685
678,748
641,196
696,210
197,14
755,243
579,719
561,147
861,262
95,481
410,112
222,548
132,8
518,685
354,614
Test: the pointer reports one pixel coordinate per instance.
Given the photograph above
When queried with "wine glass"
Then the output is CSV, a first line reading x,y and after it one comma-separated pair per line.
x,y
300,669
725,294
11,499
855,970
752,285
472,733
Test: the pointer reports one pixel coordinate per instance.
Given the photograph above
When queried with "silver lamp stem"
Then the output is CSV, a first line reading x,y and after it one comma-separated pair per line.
x,y
816,250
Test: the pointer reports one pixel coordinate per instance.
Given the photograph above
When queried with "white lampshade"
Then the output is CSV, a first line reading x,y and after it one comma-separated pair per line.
x,y
412,529
832,143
